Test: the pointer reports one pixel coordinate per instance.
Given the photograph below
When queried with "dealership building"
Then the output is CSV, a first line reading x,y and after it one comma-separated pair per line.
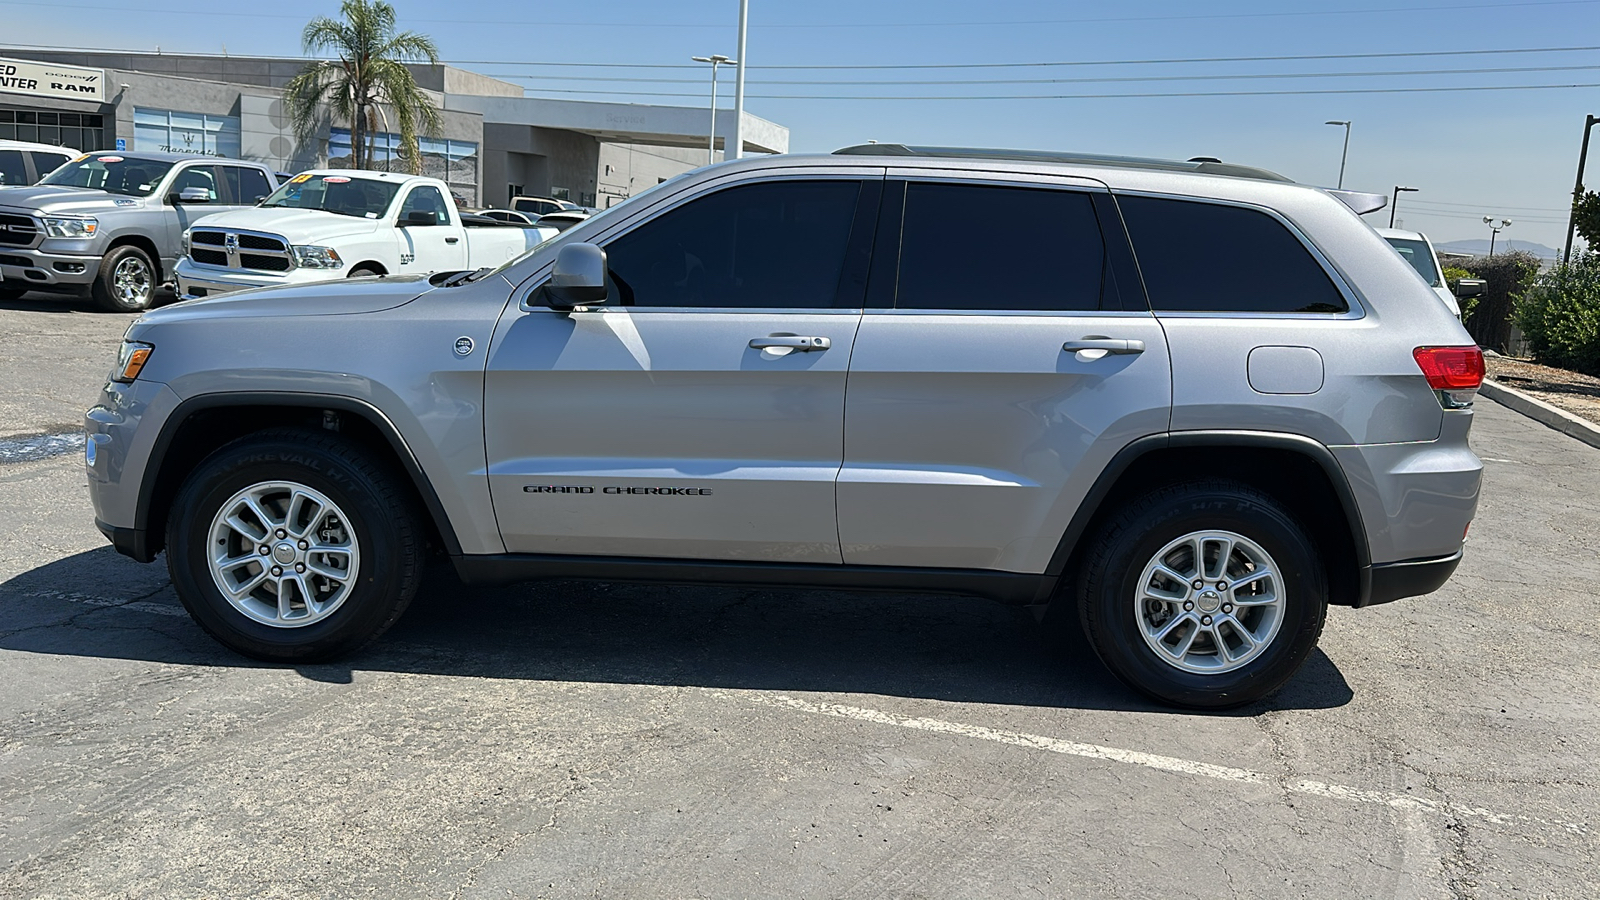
x,y
495,142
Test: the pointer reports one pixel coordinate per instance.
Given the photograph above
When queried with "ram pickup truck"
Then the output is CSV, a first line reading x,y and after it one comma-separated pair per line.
x,y
337,223
107,224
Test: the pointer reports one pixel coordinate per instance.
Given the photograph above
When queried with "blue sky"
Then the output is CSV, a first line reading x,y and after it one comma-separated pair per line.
x,y
1507,153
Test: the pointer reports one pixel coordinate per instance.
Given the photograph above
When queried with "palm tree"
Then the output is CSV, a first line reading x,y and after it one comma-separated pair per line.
x,y
368,72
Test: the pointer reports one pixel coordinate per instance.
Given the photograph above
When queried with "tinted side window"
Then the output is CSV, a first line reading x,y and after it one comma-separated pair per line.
x,y
12,169
45,163
197,176
246,185
1205,257
426,199
775,245
1040,249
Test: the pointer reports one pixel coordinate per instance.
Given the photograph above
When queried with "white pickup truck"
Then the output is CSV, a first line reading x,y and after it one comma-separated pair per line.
x,y
336,223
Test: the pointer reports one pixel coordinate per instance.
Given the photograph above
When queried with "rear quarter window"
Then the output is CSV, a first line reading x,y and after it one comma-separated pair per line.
x,y
1208,257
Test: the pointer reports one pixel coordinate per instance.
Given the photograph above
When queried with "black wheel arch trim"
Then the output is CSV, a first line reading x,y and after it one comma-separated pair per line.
x,y
137,538
1312,449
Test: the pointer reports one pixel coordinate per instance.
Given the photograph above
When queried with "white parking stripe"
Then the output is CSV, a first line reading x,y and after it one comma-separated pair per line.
x,y
1153,761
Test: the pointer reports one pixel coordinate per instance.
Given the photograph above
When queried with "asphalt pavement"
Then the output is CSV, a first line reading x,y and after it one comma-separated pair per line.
x,y
598,740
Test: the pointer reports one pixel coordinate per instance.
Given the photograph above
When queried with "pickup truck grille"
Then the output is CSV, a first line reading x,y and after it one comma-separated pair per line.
x,y
240,250
17,231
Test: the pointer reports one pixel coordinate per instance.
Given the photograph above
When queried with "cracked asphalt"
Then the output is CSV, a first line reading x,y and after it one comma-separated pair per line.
x,y
596,740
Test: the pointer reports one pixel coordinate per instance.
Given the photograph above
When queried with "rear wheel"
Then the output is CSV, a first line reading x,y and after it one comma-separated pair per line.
x,y
1206,595
293,546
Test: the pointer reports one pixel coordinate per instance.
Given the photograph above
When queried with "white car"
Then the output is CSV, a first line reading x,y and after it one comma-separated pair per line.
x,y
24,162
1415,248
335,223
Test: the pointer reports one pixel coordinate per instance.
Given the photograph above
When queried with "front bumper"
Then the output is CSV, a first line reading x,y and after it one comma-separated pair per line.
x,y
43,270
117,458
195,280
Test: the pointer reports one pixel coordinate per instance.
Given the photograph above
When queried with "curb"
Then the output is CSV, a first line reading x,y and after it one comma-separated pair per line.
x,y
1542,412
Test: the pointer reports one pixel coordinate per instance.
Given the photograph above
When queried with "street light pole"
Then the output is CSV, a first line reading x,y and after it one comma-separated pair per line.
x,y
1346,155
1577,189
1394,205
738,85
1494,231
715,60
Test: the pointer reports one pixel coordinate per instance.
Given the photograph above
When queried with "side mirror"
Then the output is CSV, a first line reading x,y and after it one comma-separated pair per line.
x,y
189,195
579,278
420,217
1468,287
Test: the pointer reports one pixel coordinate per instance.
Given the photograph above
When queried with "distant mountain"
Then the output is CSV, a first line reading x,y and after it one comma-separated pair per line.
x,y
1481,248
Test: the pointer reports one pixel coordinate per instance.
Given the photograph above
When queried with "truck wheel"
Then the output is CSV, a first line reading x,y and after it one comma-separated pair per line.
x,y
293,546
1205,595
364,272
127,280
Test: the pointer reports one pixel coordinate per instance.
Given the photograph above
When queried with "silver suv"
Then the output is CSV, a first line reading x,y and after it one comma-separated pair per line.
x,y
1192,402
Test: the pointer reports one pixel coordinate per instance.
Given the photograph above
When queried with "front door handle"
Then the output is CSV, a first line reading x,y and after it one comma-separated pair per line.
x,y
790,342
451,240
1109,345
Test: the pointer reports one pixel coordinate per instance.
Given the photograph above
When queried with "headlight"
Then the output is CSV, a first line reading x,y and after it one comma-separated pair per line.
x,y
130,360
311,257
75,227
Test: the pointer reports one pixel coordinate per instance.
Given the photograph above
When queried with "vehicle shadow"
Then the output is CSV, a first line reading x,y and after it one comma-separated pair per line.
x,y
47,301
916,646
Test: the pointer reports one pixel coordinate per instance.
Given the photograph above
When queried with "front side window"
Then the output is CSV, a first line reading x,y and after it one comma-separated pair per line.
x,y
1041,249
1419,256
428,201
778,245
342,195
203,177
1208,257
113,172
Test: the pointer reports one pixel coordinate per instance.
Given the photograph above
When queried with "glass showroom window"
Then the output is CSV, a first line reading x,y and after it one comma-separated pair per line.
x,y
182,132
453,162
80,131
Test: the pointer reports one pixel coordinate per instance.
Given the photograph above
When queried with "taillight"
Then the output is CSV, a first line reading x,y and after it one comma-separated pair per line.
x,y
1454,372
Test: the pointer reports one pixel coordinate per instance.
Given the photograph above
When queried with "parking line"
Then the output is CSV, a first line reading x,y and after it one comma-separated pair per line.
x,y
1153,761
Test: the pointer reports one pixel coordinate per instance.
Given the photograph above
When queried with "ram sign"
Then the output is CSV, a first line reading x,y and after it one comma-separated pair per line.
x,y
36,79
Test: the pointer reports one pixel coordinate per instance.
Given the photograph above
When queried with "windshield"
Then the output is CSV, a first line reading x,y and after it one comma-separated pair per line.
x,y
363,198
1420,256
111,172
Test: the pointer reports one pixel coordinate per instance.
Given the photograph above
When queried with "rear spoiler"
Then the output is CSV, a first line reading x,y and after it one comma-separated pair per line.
x,y
1361,201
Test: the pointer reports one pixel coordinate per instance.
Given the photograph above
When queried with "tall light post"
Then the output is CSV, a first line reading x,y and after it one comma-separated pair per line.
x,y
1577,189
715,60
1394,205
1346,155
738,85
1494,231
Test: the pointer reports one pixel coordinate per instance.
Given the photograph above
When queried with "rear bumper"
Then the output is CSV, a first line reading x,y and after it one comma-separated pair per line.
x,y
1411,578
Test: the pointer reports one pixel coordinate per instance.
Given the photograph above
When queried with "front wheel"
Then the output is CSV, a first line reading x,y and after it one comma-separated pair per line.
x,y
293,546
127,280
1206,595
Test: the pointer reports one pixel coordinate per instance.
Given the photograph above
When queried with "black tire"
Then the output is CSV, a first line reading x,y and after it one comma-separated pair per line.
x,y
11,293
1109,582
364,272
109,297
374,501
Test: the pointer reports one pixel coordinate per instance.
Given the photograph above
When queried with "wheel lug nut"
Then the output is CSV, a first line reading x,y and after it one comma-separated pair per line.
x,y
1198,584
1205,620
282,533
305,545
265,549
276,571
1227,607
299,567
1188,606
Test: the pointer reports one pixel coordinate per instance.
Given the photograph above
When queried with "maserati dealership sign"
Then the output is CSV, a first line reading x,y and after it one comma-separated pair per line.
x,y
37,79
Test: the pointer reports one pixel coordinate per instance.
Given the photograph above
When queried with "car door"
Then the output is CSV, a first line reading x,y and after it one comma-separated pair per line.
x,y
699,414
996,373
431,240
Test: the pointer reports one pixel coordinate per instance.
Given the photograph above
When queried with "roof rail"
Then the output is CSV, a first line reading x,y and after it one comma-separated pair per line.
x,y
1198,165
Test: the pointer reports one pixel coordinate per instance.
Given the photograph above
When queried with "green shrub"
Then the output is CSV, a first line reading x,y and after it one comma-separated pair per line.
x,y
1560,315
1509,276
1453,274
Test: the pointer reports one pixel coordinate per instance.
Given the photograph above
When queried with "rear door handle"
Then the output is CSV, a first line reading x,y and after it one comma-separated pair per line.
x,y
790,342
1109,345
